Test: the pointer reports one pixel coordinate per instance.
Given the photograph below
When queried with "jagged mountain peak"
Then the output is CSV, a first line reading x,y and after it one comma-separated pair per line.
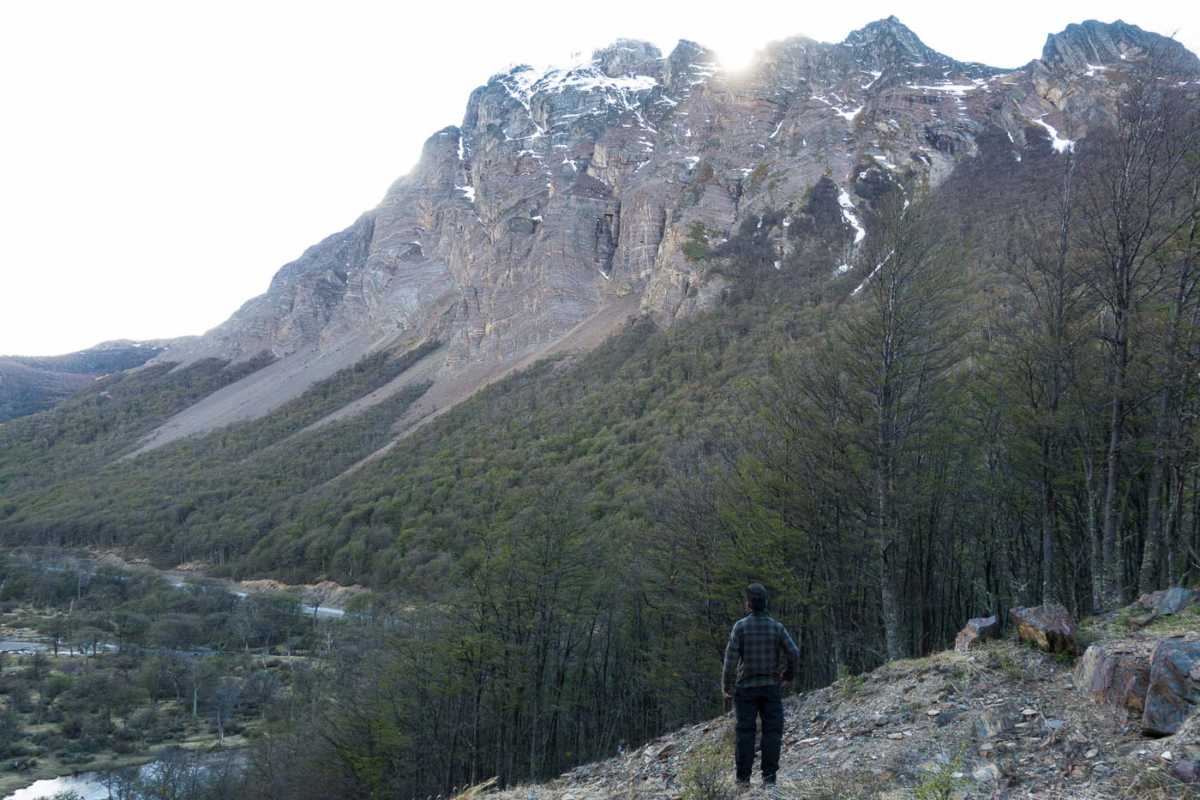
x,y
685,47
890,40
610,69
568,195
1085,45
890,45
889,24
626,57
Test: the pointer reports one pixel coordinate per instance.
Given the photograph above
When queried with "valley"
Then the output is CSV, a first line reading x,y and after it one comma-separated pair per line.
x,y
467,500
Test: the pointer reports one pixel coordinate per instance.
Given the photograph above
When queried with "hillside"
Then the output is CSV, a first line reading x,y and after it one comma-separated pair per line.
x,y
566,192
899,336
32,384
1003,720
791,229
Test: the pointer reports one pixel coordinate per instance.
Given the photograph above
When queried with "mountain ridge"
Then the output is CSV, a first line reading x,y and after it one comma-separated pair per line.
x,y
29,384
857,278
565,190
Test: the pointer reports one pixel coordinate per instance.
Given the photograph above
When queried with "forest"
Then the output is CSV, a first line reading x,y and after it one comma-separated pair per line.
x,y
105,667
996,406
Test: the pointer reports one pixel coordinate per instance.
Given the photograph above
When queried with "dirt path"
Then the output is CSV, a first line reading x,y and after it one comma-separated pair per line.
x,y
325,599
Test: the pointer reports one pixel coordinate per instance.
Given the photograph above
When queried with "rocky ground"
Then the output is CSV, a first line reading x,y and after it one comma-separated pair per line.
x,y
1002,720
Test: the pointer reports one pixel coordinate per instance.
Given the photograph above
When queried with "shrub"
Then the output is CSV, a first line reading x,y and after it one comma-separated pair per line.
x,y
706,776
941,783
848,685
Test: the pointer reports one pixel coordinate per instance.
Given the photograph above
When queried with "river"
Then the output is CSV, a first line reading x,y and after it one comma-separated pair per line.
x,y
102,784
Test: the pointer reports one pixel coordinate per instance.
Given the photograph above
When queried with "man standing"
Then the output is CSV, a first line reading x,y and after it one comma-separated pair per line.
x,y
759,660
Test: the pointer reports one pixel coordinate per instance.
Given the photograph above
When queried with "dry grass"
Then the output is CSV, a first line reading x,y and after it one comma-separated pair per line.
x,y
1155,784
706,775
1186,621
476,790
839,786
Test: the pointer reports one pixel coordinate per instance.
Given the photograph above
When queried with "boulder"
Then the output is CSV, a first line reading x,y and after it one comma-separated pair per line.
x,y
1174,689
1186,771
1174,600
976,631
1050,628
991,724
986,772
1186,741
1116,673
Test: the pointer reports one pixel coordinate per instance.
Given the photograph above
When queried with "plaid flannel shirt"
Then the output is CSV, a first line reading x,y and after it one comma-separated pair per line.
x,y
760,653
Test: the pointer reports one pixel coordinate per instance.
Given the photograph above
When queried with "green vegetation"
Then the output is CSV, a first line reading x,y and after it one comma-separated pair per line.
x,y
695,247
993,408
848,685
942,781
32,384
217,492
105,420
706,774
132,665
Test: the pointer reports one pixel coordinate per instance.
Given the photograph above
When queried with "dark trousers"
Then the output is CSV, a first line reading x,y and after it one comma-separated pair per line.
x,y
749,704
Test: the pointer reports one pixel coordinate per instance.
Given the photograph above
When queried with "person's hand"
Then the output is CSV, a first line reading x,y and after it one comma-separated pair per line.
x,y
728,695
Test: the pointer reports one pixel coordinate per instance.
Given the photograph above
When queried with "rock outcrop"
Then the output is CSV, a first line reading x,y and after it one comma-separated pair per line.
x,y
1091,45
1050,628
1116,673
1169,601
1174,690
566,193
977,631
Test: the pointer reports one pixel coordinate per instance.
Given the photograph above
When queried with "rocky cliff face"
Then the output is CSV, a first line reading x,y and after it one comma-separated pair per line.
x,y
566,192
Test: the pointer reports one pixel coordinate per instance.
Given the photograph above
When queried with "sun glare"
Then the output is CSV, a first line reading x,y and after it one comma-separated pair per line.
x,y
737,57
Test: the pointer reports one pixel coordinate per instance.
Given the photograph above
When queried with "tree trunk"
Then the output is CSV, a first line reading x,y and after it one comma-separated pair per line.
x,y
889,596
1113,572
1152,549
1164,431
1049,513
1095,549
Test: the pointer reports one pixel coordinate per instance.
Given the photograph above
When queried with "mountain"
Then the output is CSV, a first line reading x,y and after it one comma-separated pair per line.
x,y
1092,44
566,199
32,384
857,323
569,201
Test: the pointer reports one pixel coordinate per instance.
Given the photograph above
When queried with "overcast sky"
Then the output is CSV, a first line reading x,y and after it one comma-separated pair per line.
x,y
159,161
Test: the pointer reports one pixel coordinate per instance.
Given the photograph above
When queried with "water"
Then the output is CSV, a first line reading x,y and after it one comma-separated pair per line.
x,y
88,785
322,611
28,646
100,785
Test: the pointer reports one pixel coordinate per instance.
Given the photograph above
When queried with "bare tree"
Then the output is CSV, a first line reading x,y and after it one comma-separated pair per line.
x,y
1176,364
1044,339
899,344
1130,213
